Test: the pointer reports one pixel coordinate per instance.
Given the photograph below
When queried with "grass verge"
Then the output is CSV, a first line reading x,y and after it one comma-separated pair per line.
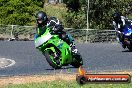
x,y
67,84
54,81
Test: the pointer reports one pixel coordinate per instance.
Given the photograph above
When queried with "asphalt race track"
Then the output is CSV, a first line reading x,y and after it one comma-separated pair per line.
x,y
96,57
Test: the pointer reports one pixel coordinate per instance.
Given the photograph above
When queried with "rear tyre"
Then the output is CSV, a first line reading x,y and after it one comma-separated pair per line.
x,y
54,62
129,47
77,62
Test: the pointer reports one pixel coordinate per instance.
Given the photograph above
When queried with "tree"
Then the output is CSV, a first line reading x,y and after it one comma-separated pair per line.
x,y
102,10
75,20
19,12
75,16
72,5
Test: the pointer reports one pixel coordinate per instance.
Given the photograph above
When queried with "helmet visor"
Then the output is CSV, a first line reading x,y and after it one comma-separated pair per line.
x,y
40,21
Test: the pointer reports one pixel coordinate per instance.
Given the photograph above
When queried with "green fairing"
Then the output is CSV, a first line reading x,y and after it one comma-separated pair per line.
x,y
53,44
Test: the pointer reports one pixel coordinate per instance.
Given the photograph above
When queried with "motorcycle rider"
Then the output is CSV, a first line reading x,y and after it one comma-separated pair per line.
x,y
119,22
56,27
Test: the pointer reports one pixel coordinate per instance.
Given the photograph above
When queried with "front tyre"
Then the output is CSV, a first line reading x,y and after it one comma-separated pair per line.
x,y
50,57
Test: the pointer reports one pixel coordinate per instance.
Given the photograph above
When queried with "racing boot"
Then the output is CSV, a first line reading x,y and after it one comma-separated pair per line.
x,y
76,55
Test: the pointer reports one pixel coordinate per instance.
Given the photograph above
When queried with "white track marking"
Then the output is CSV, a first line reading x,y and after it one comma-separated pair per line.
x,y
5,60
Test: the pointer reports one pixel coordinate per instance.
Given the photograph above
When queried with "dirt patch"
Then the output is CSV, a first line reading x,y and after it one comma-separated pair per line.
x,y
35,78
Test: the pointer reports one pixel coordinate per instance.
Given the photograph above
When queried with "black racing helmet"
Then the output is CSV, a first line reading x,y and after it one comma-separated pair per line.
x,y
116,16
41,18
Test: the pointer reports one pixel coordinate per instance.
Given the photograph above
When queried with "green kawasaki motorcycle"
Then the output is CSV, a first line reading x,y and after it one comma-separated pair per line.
x,y
57,52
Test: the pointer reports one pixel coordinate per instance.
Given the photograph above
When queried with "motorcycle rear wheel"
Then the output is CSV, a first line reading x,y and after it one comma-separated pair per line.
x,y
78,61
129,47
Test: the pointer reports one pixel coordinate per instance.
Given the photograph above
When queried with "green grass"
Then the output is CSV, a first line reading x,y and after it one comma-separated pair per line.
x,y
69,84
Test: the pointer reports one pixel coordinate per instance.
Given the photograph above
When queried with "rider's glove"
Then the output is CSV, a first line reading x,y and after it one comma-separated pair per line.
x,y
59,27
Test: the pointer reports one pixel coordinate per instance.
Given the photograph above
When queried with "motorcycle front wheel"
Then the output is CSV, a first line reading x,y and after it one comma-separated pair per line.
x,y
52,59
